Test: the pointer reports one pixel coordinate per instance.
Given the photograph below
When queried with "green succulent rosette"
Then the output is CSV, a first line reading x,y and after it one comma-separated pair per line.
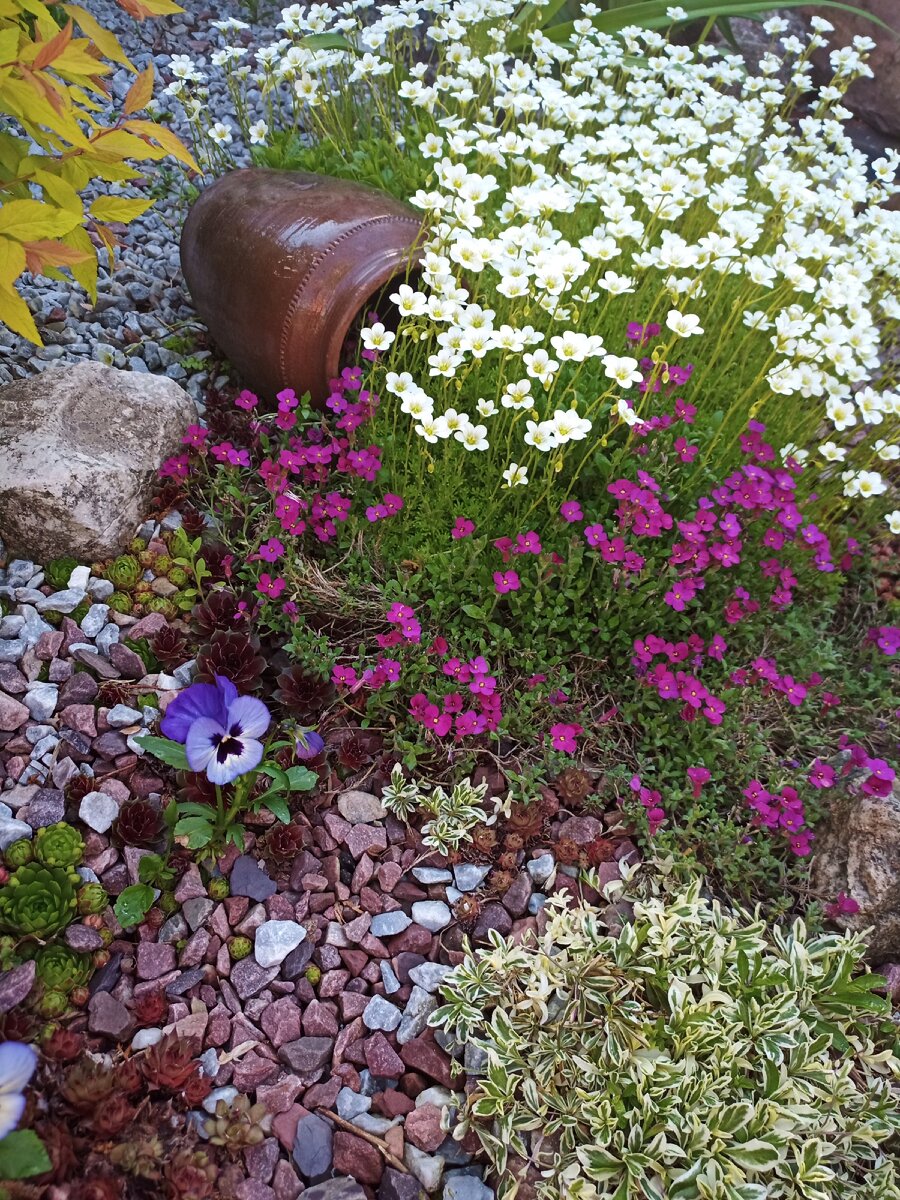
x,y
38,901
124,572
51,1005
61,969
120,602
92,898
18,854
58,845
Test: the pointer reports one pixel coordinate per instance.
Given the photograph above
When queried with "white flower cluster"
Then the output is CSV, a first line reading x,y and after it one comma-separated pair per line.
x,y
641,180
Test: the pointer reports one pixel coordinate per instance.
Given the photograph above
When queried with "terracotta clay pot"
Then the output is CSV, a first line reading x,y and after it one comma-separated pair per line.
x,y
280,264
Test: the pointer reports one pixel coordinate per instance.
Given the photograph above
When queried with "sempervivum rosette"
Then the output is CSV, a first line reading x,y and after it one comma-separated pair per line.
x,y
38,901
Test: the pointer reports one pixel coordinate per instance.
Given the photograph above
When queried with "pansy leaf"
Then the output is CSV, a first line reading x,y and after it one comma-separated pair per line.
x,y
197,830
301,779
133,904
277,806
22,1154
171,753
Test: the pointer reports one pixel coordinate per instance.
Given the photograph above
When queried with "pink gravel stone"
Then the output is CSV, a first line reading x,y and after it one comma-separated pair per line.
x,y
332,983
382,1059
190,885
79,717
365,869
323,1095
337,827
320,1020
285,1182
389,875
154,959
278,1097
363,839
284,1125
281,1022
253,1070
423,1128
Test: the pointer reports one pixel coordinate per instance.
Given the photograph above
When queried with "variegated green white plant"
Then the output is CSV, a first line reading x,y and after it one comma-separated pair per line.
x,y
696,1056
453,815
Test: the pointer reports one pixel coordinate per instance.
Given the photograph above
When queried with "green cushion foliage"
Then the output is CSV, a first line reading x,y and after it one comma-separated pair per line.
x,y
696,1056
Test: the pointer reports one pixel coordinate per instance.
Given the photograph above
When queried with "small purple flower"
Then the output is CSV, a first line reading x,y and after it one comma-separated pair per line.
x,y
219,729
308,744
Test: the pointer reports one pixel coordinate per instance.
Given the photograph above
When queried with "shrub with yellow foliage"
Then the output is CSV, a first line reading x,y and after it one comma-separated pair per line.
x,y
53,143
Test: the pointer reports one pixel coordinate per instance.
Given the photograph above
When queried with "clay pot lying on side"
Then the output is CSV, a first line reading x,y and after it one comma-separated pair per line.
x,y
280,264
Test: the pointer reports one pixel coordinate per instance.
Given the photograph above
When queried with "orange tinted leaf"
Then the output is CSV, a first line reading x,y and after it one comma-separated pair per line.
x,y
46,253
50,51
140,92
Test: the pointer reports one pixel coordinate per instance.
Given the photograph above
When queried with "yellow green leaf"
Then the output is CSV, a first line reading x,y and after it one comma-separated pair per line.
x,y
59,191
27,220
12,261
170,142
118,208
84,272
107,43
14,312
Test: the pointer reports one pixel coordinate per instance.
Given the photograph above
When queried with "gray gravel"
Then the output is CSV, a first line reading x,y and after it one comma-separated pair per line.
x,y
143,303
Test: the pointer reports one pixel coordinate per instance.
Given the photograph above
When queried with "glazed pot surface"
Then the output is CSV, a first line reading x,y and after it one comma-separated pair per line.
x,y
280,264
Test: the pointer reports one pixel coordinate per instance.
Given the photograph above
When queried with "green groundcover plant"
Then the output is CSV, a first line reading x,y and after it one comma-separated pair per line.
x,y
697,1055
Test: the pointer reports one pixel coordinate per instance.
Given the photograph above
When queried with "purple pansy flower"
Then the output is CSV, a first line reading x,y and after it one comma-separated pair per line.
x,y
308,744
17,1064
219,729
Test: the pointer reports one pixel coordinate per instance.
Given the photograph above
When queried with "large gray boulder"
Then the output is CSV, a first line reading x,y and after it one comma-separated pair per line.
x,y
858,853
80,447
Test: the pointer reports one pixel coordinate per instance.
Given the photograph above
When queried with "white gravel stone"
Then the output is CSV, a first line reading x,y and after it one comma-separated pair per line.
x,y
105,638
100,589
432,915
275,940
429,875
389,924
12,830
228,1094
80,578
146,1037
541,869
40,700
468,876
94,620
121,715
429,975
98,811
419,1007
63,601
381,1014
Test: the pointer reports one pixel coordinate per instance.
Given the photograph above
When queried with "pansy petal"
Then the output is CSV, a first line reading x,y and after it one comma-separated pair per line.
x,y
202,739
17,1064
198,700
251,714
235,764
227,690
11,1109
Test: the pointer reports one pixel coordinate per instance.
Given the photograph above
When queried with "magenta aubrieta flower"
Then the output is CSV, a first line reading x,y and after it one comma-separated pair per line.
x,y
219,729
506,581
